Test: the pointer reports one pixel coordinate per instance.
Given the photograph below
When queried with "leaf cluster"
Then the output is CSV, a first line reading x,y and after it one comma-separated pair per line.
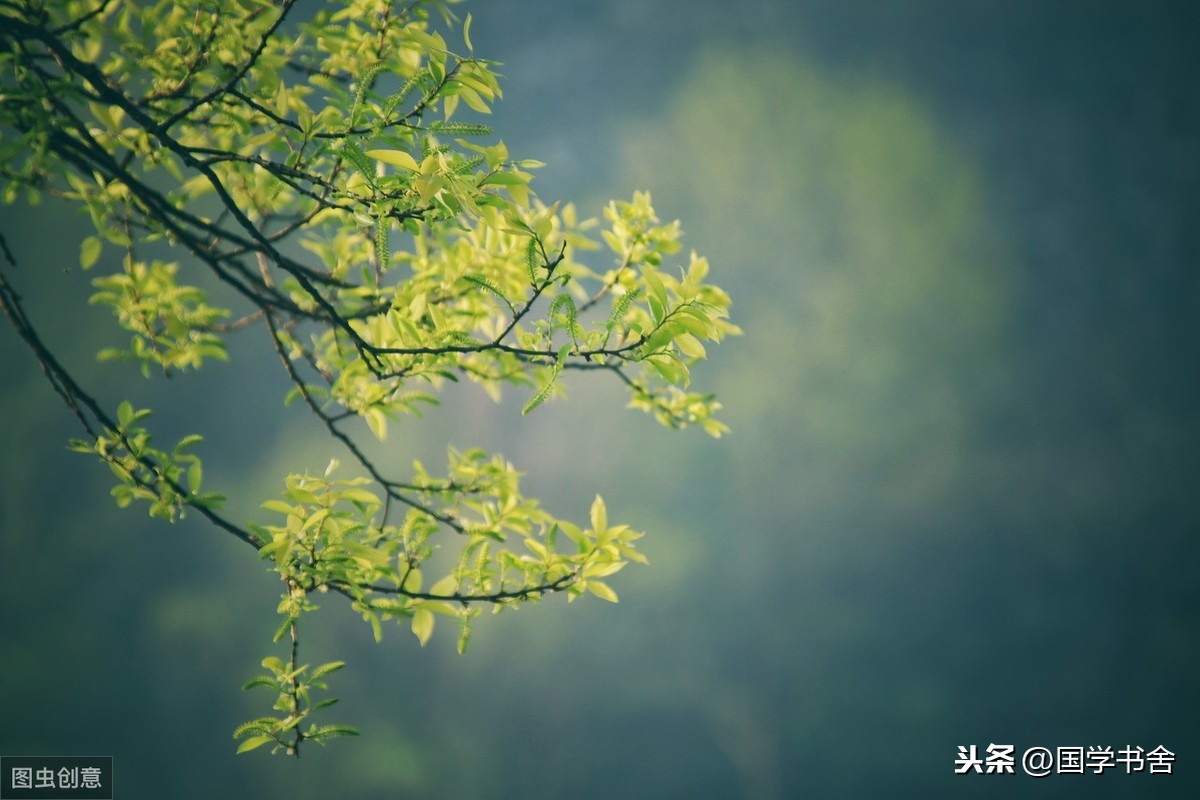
x,y
170,481
333,175
293,687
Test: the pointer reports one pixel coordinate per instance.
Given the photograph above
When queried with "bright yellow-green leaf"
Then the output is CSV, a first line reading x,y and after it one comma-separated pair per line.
x,y
360,496
599,515
89,251
444,587
195,475
302,495
603,570
572,531
437,67
537,548
662,335
505,179
658,291
472,98
602,590
422,625
690,345
397,158
413,579
427,186
377,422
253,742
613,241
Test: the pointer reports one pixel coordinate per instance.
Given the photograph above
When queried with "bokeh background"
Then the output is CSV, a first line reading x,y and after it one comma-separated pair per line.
x,y
959,504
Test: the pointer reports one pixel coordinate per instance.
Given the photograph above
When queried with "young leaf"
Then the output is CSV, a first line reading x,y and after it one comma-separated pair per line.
x,y
89,251
125,413
254,742
602,590
397,158
194,476
599,516
422,625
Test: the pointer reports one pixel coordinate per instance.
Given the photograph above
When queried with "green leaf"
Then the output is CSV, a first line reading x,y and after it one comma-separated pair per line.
x,y
377,422
602,590
278,505
437,69
444,587
658,293
254,742
599,516
671,369
603,570
397,158
363,496
422,625
89,251
662,335
194,476
504,179
211,500
690,346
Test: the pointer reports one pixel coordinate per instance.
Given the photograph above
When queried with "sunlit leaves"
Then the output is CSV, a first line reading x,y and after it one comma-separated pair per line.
x,y
599,515
509,548
293,687
169,481
172,324
397,158
422,625
336,182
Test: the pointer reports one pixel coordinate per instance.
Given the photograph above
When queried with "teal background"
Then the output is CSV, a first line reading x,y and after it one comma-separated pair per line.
x,y
959,502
